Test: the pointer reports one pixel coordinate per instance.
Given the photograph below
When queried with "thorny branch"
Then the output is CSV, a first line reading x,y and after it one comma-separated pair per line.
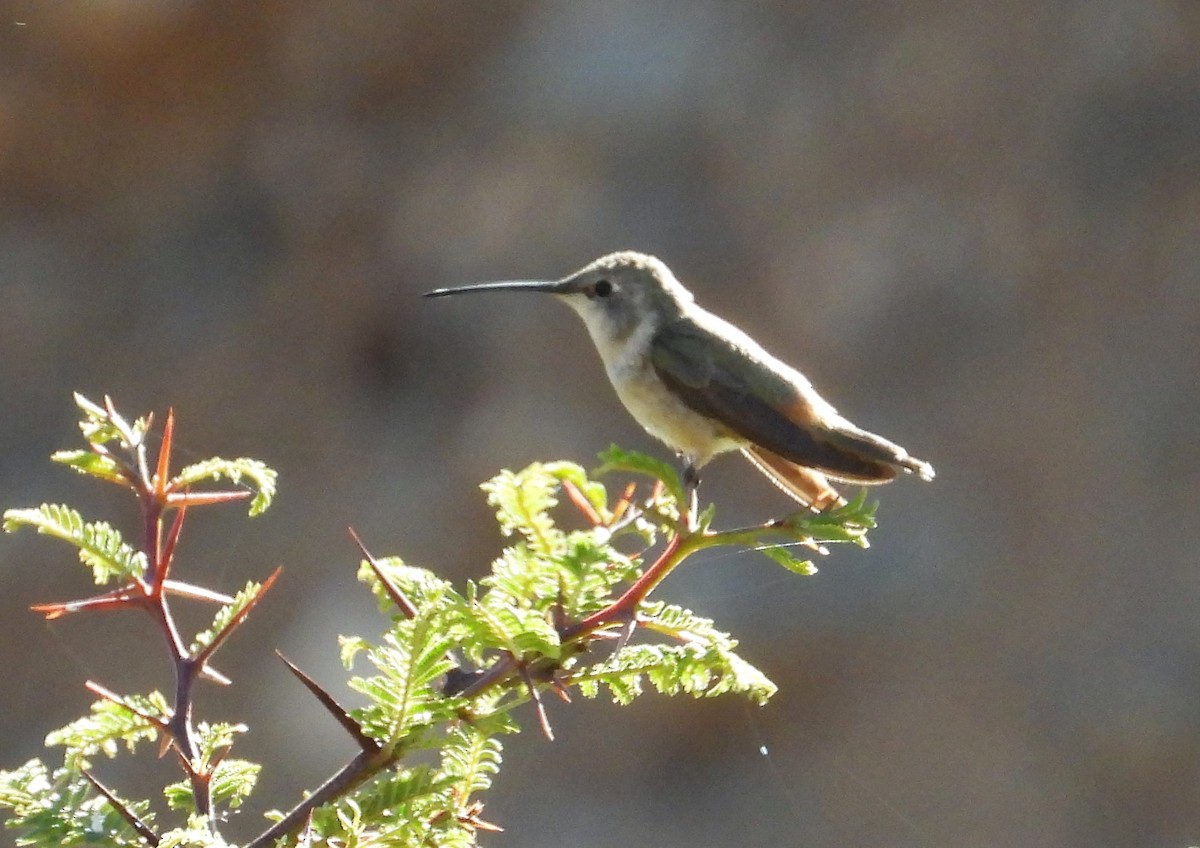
x,y
157,497
158,494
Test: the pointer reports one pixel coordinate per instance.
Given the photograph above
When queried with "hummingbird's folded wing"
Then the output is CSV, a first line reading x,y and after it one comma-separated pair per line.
x,y
719,379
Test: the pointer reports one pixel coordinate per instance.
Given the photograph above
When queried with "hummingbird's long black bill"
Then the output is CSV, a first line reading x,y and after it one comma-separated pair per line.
x,y
547,286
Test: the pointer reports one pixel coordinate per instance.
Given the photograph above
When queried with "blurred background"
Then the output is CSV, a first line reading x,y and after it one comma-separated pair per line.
x,y
976,227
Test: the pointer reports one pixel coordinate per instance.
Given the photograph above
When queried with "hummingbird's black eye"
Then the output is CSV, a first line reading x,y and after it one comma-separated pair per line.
x,y
602,288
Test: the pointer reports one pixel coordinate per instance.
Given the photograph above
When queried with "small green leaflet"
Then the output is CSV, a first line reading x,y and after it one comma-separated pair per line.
x,y
99,426
260,476
619,459
90,463
782,554
100,545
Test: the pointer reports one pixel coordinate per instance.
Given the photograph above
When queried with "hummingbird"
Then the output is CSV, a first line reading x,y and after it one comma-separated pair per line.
x,y
703,387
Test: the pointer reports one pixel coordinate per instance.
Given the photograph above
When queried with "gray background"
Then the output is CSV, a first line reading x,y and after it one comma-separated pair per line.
x,y
975,226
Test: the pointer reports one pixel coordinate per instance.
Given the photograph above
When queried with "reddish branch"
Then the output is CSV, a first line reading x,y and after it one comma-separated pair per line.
x,y
158,495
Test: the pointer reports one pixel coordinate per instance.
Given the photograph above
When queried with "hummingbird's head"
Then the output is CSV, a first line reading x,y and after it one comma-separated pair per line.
x,y
620,292
614,295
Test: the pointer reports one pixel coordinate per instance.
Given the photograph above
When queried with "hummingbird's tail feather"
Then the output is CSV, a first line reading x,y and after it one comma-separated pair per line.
x,y
919,467
806,485
865,458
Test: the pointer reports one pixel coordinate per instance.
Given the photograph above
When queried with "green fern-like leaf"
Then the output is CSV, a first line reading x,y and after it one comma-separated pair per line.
x,y
231,783
618,459
395,808
520,577
350,647
848,523
404,698
110,725
469,759
100,545
91,463
715,669
519,631
216,738
422,587
695,669
522,501
233,780
622,674
783,555
681,624
594,568
99,426
579,575
260,477
394,792
197,833
702,662
62,808
744,678
224,615
406,807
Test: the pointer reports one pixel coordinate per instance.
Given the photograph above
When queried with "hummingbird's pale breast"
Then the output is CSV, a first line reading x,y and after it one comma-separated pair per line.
x,y
661,413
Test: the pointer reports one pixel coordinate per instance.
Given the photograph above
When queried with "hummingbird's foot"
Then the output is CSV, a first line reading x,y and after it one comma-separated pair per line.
x,y
691,481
